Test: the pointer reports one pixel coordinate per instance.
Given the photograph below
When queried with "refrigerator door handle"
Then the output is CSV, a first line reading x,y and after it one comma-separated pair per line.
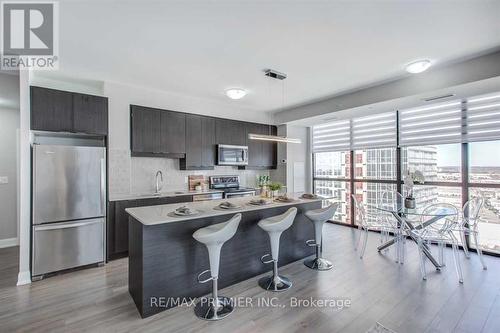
x,y
103,186
64,226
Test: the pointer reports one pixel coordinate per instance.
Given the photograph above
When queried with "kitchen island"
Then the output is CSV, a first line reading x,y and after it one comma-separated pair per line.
x,y
164,258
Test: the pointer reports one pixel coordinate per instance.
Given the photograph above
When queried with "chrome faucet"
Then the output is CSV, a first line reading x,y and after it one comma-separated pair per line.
x,y
158,187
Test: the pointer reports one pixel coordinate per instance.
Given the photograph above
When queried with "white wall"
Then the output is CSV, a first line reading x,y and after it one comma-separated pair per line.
x,y
298,166
9,123
24,184
295,172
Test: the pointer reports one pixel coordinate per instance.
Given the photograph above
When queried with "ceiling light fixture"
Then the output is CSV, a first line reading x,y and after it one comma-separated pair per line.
x,y
275,75
418,66
274,138
236,93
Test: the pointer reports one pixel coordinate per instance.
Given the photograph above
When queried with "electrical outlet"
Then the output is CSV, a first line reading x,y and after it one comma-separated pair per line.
x,y
4,180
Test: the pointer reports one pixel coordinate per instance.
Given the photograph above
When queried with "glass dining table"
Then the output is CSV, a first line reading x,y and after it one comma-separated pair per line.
x,y
404,216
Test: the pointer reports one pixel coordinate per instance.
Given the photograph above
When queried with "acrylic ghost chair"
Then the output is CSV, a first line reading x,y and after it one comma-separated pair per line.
x,y
440,232
394,201
468,226
369,222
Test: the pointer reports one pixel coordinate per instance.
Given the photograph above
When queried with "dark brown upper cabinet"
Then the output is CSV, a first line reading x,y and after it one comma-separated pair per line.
x,y
145,128
256,147
90,114
261,154
173,132
156,132
194,138
209,147
62,111
200,143
270,150
51,110
231,132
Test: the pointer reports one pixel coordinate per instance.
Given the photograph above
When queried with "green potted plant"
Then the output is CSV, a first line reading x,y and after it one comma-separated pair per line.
x,y
275,187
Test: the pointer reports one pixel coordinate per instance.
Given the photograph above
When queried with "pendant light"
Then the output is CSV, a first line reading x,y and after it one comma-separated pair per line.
x,y
274,138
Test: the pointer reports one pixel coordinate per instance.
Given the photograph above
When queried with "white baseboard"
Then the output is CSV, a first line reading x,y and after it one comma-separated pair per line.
x,y
23,278
8,242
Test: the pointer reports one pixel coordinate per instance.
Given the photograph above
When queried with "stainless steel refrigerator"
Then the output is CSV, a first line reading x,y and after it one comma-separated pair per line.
x,y
69,207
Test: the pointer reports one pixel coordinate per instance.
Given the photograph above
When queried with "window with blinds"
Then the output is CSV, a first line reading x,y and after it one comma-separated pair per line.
x,y
434,124
364,132
476,119
333,136
376,131
469,120
483,118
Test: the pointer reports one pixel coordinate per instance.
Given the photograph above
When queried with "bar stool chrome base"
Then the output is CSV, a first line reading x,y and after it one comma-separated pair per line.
x,y
205,309
319,264
270,283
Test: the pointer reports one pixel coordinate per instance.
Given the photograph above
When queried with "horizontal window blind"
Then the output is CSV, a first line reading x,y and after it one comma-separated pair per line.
x,y
376,131
483,118
433,124
364,132
468,120
333,136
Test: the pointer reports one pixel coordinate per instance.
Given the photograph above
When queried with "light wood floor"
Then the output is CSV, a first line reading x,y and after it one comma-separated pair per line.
x,y
97,299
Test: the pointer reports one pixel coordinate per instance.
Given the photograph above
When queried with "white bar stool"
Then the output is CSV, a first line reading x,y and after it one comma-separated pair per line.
x,y
318,217
214,236
275,226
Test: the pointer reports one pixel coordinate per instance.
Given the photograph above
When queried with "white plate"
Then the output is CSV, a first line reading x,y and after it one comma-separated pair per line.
x,y
286,201
229,207
312,198
193,212
257,203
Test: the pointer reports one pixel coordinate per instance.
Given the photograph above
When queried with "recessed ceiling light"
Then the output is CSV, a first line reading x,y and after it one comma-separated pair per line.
x,y
418,66
236,93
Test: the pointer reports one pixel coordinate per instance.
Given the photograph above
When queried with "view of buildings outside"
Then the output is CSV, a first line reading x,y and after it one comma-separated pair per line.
x,y
437,163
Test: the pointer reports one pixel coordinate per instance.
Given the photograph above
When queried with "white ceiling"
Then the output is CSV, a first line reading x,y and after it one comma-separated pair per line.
x,y
200,48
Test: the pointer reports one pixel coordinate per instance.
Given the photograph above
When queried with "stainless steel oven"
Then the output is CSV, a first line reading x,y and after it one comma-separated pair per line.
x,y
207,196
231,186
246,193
232,155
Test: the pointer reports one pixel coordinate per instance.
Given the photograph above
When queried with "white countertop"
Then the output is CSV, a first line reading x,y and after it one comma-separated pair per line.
x,y
161,214
121,197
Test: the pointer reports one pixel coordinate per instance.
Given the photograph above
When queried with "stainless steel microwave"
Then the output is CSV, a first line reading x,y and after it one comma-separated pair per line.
x,y
232,155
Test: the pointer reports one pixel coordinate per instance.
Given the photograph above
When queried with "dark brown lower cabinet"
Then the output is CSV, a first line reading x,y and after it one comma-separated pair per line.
x,y
117,224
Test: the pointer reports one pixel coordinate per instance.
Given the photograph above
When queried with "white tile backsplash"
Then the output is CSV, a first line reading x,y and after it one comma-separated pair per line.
x,y
136,175
119,171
